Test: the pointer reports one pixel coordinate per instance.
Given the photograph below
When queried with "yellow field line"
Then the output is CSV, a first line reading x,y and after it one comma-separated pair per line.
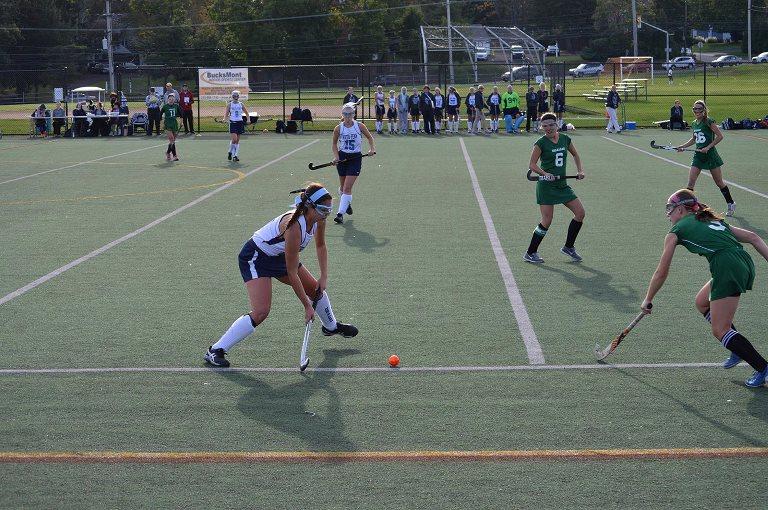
x,y
379,456
239,177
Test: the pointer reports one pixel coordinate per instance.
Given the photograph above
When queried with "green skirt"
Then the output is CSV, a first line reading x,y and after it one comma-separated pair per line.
x,y
733,273
553,193
707,161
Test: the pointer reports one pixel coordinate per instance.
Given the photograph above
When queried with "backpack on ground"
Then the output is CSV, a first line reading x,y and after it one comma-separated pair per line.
x,y
306,115
280,127
291,127
296,113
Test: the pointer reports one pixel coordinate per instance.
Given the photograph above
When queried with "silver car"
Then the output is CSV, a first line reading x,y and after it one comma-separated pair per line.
x,y
590,69
726,60
761,58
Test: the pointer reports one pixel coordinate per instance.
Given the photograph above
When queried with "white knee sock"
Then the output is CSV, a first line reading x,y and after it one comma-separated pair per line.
x,y
437,125
413,125
237,332
344,203
325,312
235,148
231,146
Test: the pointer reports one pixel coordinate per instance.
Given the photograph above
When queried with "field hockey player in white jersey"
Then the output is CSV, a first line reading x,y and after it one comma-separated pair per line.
x,y
347,153
273,252
235,113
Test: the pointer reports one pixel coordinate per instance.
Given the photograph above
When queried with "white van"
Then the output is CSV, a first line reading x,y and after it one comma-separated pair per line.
x,y
517,52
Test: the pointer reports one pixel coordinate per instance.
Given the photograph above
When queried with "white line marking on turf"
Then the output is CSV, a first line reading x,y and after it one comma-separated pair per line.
x,y
503,368
730,183
79,164
535,356
99,251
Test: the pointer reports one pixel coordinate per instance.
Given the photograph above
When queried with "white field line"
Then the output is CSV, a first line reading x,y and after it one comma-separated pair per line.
x,y
502,368
535,356
730,183
79,164
99,251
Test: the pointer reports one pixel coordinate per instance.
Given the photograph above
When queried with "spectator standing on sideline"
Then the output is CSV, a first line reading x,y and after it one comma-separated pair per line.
x,y
510,108
402,110
558,104
351,98
58,119
427,108
186,109
479,107
676,115
670,79
543,101
531,110
153,112
611,105
168,91
79,123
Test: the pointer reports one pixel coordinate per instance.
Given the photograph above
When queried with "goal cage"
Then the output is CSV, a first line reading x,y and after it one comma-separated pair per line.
x,y
631,66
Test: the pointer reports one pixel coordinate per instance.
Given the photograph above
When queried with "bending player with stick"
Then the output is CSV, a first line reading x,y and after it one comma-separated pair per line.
x,y
703,232
273,252
347,148
552,149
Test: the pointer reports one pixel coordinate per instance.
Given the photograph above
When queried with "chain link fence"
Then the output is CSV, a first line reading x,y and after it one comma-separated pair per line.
x,y
647,90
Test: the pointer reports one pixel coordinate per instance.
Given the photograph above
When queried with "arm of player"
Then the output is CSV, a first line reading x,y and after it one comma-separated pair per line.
x,y
371,142
577,159
292,242
335,145
226,113
322,255
246,114
533,165
662,271
686,144
718,136
747,236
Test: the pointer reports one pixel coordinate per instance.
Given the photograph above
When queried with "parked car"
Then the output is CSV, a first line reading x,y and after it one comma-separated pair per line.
x,y
518,72
385,80
517,52
482,53
681,63
589,69
761,58
553,50
726,60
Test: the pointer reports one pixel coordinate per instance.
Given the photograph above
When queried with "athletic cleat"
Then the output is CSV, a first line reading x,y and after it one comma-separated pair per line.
x,y
533,258
732,361
216,357
167,156
571,252
349,209
235,158
346,330
758,379
731,209
339,219
229,156
175,158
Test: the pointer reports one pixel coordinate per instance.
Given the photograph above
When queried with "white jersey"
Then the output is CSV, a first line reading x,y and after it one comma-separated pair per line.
x,y
471,100
392,102
235,111
438,101
350,138
379,96
270,240
453,100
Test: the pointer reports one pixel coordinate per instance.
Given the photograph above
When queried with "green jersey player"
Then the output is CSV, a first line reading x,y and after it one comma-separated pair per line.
x,y
552,149
703,232
170,113
706,135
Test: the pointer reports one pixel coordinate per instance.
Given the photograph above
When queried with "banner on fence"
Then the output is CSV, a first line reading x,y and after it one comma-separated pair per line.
x,y
218,84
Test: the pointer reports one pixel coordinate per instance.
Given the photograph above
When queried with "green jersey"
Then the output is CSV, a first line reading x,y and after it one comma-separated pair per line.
x,y
705,238
510,100
702,132
170,112
553,159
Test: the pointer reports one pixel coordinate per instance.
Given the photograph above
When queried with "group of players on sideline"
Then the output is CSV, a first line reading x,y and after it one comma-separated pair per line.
x,y
272,252
432,112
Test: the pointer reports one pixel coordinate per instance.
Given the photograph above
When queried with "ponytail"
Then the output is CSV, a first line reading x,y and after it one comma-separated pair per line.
x,y
706,213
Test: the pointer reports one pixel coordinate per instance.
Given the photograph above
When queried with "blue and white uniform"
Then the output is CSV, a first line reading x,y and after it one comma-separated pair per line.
x,y
439,105
392,110
263,255
379,99
236,124
350,146
453,104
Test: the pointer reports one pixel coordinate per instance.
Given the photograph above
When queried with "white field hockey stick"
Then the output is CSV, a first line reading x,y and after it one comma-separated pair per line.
x,y
601,354
304,359
668,147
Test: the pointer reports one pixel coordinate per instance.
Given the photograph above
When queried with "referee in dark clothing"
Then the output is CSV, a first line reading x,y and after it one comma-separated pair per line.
x,y
427,107
531,106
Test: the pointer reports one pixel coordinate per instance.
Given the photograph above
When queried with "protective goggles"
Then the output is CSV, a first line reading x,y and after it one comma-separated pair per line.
x,y
322,210
672,204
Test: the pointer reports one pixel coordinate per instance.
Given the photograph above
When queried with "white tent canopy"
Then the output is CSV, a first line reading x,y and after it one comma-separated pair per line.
x,y
88,92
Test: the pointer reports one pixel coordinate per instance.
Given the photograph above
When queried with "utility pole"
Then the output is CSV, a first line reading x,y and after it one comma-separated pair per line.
x,y
667,49
450,38
749,29
634,26
110,53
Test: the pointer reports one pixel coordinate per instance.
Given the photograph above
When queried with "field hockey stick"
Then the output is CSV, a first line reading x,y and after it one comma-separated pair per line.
x,y
533,176
312,166
304,359
601,354
668,147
